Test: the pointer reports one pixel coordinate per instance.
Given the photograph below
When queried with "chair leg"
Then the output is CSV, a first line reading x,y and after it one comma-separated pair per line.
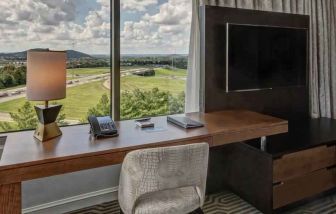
x,y
198,211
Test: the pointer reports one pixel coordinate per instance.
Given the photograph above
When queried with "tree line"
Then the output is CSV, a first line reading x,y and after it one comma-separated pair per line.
x,y
11,75
134,104
142,103
174,61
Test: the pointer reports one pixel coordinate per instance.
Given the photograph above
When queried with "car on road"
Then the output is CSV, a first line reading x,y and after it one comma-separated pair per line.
x,y
15,92
4,94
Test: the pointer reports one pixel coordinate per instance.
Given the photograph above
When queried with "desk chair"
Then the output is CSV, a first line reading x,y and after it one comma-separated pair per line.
x,y
166,180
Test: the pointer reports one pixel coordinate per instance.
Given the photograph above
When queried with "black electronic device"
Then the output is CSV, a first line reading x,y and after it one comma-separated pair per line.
x,y
265,57
102,126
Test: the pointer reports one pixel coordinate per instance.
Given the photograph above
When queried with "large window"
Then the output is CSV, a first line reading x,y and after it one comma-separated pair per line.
x,y
82,27
154,43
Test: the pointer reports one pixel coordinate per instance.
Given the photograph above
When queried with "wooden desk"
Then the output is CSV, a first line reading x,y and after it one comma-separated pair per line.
x,y
24,158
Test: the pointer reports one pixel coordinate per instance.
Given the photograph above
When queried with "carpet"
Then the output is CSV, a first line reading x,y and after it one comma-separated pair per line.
x,y
227,203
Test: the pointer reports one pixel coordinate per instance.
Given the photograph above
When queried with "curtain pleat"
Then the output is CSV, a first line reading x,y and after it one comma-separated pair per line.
x,y
247,4
277,5
193,86
266,5
322,46
286,6
300,7
293,6
313,74
333,56
322,59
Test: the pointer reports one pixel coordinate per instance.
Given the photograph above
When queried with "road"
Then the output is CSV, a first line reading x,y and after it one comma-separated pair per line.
x,y
21,91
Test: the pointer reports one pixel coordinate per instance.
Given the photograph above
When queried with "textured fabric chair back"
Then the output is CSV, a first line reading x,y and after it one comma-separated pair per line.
x,y
150,170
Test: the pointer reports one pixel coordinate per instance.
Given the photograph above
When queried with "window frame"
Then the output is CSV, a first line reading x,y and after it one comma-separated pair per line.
x,y
115,59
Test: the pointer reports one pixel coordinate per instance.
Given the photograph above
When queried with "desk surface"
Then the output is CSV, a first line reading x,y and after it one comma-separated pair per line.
x,y
24,158
302,134
21,149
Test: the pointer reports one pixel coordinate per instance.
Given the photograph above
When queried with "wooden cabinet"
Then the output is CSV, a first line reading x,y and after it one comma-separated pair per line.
x,y
303,162
303,174
271,182
302,187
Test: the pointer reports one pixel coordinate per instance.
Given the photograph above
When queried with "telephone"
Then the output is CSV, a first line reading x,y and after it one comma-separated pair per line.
x,y
102,126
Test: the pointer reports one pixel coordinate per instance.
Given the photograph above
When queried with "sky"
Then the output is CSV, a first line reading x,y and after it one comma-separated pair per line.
x,y
147,26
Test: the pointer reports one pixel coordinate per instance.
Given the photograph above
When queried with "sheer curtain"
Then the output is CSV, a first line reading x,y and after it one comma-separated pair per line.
x,y
322,59
193,88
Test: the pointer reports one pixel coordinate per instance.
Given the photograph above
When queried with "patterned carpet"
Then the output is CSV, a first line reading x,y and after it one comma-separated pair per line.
x,y
227,203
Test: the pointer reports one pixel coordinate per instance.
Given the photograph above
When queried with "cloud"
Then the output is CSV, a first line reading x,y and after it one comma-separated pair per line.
x,y
172,13
137,5
162,27
35,23
167,30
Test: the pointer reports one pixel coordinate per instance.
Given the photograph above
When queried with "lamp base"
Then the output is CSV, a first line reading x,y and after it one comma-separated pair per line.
x,y
45,132
47,127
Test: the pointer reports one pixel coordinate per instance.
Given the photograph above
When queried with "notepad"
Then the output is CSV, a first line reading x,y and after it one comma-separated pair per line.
x,y
184,122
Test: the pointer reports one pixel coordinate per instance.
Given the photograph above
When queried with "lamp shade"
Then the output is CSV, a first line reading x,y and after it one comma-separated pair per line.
x,y
46,75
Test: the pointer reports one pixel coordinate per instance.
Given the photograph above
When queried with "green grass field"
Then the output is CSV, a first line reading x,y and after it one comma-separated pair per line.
x,y
87,71
81,98
168,72
175,86
94,71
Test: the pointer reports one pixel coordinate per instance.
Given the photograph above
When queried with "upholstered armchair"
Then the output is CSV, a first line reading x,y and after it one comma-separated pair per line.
x,y
167,180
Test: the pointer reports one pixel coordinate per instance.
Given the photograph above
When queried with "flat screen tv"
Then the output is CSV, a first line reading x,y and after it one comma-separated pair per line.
x,y
264,57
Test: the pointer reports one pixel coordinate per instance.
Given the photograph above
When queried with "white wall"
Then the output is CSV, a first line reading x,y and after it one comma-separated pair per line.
x,y
48,190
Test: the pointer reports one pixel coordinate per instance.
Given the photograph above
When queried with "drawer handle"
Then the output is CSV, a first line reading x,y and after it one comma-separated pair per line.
x,y
278,184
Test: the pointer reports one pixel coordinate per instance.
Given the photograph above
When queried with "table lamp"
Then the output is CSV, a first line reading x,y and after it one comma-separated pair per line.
x,y
46,80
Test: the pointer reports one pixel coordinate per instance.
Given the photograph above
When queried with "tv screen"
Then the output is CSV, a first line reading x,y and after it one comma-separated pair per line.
x,y
262,57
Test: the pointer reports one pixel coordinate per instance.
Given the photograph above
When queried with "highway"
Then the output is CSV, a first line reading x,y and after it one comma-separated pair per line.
x,y
20,92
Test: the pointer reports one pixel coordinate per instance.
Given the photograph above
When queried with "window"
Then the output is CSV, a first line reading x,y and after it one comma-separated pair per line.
x,y
82,27
154,44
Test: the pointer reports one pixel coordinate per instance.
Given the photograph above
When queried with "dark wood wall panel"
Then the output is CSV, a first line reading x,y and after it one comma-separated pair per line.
x,y
284,102
245,171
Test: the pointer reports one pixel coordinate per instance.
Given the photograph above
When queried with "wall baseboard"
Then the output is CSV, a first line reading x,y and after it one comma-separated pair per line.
x,y
75,202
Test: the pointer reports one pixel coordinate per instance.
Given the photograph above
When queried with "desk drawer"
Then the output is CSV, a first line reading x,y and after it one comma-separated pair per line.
x,y
303,162
303,187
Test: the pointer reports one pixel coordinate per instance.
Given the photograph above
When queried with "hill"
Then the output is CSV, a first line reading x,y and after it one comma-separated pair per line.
x,y
71,54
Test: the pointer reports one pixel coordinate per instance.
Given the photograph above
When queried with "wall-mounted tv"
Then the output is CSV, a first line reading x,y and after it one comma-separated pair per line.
x,y
264,57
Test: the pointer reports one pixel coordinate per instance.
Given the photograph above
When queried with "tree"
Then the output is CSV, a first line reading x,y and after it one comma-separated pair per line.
x,y
20,75
6,126
139,103
8,80
102,108
26,117
11,76
176,104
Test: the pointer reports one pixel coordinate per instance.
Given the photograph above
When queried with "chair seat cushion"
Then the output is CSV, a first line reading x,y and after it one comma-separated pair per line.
x,y
173,201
